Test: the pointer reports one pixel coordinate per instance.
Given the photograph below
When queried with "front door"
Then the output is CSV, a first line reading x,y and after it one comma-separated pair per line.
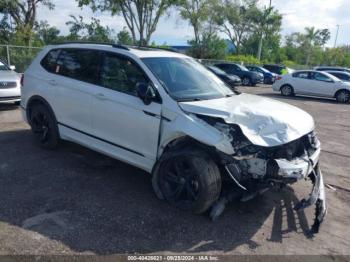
x,y
322,84
119,117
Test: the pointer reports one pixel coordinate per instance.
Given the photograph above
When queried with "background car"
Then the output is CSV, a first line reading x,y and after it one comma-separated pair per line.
x,y
248,78
332,68
342,75
315,83
10,86
269,77
278,69
231,80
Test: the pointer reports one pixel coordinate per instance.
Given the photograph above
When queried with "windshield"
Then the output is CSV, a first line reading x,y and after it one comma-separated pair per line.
x,y
3,67
187,80
216,70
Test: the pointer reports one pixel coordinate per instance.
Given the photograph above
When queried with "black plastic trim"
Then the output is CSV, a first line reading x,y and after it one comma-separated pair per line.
x,y
101,139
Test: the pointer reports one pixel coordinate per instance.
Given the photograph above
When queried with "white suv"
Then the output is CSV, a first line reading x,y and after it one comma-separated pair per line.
x,y
168,115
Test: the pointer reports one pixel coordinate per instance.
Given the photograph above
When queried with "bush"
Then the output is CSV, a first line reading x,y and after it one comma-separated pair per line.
x,y
245,59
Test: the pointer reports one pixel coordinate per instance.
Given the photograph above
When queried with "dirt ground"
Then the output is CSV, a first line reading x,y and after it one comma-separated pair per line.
x,y
74,200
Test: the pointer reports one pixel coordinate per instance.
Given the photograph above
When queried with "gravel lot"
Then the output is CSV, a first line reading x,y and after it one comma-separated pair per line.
x,y
74,200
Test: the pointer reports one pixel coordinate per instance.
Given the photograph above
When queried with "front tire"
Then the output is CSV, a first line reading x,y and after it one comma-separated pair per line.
x,y
246,81
44,127
343,96
188,179
287,90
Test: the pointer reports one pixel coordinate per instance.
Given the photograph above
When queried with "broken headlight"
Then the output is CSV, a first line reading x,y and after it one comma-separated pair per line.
x,y
313,140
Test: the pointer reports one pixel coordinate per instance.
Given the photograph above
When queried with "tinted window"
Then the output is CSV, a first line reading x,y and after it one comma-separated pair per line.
x,y
322,77
121,74
80,64
49,61
304,75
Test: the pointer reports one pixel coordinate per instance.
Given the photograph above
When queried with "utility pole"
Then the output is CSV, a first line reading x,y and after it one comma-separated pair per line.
x,y
336,36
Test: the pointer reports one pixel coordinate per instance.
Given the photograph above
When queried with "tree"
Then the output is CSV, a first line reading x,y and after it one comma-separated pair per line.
x,y
141,16
46,33
210,47
235,19
266,23
124,37
23,13
197,13
92,31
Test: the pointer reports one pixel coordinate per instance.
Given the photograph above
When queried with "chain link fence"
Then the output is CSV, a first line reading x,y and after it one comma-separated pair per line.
x,y
19,56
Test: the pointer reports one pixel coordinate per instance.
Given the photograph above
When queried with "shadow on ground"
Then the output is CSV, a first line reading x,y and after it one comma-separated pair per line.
x,y
90,202
8,107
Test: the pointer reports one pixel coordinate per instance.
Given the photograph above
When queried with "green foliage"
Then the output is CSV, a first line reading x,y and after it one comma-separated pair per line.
x,y
93,31
210,47
245,59
124,38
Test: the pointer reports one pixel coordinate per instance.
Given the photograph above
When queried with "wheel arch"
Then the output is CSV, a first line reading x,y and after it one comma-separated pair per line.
x,y
35,100
180,144
338,91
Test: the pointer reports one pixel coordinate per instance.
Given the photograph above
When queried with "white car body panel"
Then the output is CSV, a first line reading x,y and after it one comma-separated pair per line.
x,y
310,86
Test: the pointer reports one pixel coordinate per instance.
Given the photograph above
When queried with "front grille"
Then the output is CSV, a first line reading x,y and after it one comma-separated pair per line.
x,y
4,85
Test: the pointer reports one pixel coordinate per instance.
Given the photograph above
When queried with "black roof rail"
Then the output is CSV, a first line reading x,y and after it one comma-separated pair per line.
x,y
94,43
154,48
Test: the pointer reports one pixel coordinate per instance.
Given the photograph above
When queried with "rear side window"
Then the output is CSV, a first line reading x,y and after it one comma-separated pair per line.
x,y
49,61
121,74
80,64
304,75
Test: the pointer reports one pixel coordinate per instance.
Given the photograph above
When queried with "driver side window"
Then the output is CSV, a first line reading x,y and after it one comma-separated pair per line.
x,y
121,74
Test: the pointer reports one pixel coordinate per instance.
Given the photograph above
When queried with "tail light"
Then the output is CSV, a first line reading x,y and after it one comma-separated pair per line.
x,y
22,79
278,78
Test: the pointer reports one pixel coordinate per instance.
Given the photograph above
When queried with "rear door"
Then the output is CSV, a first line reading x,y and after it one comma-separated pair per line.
x,y
301,82
75,74
119,117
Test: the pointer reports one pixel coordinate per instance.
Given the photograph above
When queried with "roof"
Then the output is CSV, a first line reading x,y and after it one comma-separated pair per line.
x,y
140,52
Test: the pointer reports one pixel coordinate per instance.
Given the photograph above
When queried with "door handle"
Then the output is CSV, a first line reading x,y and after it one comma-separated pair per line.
x,y
100,96
53,82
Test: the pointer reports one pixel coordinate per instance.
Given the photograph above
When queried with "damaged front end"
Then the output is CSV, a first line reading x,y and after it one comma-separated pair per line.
x,y
256,169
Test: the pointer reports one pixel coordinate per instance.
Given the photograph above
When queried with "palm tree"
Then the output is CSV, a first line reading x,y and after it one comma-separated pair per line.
x,y
311,36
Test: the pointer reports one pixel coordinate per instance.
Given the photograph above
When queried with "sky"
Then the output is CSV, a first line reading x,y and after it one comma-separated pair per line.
x,y
172,30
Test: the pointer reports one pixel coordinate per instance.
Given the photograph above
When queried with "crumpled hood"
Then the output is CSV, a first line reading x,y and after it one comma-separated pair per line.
x,y
265,122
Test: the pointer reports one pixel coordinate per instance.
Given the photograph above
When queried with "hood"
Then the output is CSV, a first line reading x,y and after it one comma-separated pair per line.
x,y
265,122
9,75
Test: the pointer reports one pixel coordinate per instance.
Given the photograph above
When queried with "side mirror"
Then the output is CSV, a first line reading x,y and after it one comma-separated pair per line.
x,y
12,67
145,93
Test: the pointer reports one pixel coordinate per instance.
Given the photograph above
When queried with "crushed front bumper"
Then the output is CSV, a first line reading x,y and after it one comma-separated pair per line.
x,y
288,172
302,168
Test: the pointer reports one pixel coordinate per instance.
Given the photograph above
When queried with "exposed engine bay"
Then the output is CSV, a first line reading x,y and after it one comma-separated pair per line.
x,y
256,169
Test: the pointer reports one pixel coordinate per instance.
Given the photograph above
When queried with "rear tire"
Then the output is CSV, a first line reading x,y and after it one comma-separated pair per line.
x,y
343,96
287,90
44,126
188,179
